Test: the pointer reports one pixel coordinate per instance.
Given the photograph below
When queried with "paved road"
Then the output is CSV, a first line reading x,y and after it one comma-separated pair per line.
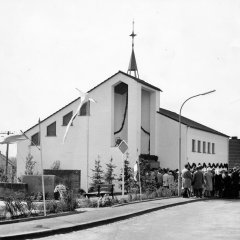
x,y
208,220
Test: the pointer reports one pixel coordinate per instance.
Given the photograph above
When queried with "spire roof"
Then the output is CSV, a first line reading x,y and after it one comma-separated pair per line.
x,y
133,63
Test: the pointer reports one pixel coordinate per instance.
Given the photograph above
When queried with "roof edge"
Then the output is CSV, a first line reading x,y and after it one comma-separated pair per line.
x,y
198,128
51,115
141,81
136,79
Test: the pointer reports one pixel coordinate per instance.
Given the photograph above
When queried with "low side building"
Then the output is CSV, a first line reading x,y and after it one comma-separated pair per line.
x,y
200,144
234,152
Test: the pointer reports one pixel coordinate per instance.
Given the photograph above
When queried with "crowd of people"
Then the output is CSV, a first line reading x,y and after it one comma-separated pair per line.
x,y
199,182
165,177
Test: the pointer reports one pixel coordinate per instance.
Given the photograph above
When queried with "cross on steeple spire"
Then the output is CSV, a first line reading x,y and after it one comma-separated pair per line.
x,y
133,64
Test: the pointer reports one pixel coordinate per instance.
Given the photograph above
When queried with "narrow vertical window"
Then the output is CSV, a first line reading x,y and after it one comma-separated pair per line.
x,y
85,109
213,148
51,129
199,146
67,118
35,139
193,145
209,147
204,147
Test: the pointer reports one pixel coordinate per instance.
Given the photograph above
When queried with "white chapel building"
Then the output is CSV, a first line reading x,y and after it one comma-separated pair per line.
x,y
126,108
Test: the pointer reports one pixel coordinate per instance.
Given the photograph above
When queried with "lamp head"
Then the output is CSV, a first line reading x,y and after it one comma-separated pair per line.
x,y
208,92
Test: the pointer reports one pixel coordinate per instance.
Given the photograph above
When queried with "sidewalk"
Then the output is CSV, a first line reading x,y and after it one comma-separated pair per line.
x,y
85,218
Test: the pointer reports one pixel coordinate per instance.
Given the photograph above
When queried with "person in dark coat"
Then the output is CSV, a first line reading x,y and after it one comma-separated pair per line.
x,y
226,180
213,181
159,178
198,181
235,183
218,184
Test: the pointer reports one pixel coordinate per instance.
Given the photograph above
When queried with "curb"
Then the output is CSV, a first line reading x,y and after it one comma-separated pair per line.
x,y
83,226
141,201
37,218
73,212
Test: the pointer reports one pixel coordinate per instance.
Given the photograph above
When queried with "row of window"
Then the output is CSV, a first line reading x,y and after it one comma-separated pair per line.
x,y
52,128
204,147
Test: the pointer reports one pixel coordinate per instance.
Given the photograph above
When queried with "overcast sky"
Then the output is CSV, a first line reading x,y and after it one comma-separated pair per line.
x,y
48,48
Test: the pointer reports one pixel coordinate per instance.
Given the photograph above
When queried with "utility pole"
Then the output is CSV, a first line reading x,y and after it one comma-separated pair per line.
x,y
7,151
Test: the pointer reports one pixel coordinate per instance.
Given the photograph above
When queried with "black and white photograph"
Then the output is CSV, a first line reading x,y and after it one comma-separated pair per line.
x,y
120,119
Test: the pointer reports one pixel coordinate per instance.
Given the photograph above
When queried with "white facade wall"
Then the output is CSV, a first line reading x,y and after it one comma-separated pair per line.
x,y
168,142
145,121
53,148
168,145
154,123
76,153
221,147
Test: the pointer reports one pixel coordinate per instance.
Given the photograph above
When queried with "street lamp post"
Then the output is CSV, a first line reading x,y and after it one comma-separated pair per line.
x,y
180,139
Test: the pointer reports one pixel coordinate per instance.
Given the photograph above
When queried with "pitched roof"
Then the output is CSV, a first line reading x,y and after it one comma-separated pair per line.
x,y
188,122
134,78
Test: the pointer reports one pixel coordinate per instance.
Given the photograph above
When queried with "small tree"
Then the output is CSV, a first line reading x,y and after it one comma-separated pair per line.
x,y
97,177
3,177
128,175
109,175
29,165
13,171
148,183
56,165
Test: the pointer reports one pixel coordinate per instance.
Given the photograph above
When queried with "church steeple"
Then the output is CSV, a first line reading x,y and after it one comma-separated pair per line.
x,y
133,64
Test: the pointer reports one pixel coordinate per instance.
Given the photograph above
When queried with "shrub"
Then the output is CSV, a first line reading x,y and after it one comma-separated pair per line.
x,y
70,200
53,206
152,195
129,197
115,201
29,165
109,175
144,196
104,201
56,165
97,177
123,200
16,208
133,197
128,176
159,192
86,203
